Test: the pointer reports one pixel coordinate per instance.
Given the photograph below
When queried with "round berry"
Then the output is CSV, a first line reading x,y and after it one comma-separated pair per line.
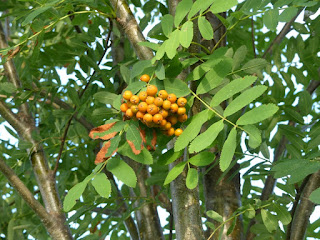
x,y
147,118
181,110
139,115
150,100
174,108
129,113
157,118
158,101
182,102
143,107
163,94
170,132
127,95
152,109
172,97
178,132
143,95
182,118
145,78
124,107
166,104
134,99
152,90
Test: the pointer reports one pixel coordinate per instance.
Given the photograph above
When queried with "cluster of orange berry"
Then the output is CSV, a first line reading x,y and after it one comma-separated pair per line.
x,y
155,109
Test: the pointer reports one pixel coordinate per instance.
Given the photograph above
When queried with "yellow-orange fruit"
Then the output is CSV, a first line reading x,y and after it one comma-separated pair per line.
x,y
181,110
139,115
166,104
163,94
178,132
152,90
147,118
158,101
145,78
134,99
157,118
174,108
127,95
124,107
182,118
164,113
172,97
181,102
143,95
152,109
167,126
129,113
134,109
143,107
150,100
163,123
172,119
170,132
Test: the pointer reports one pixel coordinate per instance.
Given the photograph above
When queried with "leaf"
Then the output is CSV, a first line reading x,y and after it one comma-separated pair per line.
x,y
191,131
139,67
7,87
160,71
231,228
228,150
255,66
206,139
176,86
205,28
150,45
232,88
122,171
172,44
135,86
192,178
174,172
202,159
258,114
161,51
101,155
144,157
102,185
282,214
215,76
169,157
105,97
73,194
214,215
35,13
133,136
244,99
270,19
254,135
315,196
106,131
239,56
167,24
199,5
270,221
288,14
219,6
186,34
181,11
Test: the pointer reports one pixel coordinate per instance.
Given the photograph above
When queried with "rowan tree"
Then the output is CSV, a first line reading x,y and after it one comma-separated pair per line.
x,y
236,82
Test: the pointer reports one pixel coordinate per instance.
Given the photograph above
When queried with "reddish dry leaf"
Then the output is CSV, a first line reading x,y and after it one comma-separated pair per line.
x,y
103,128
154,140
143,135
102,153
134,150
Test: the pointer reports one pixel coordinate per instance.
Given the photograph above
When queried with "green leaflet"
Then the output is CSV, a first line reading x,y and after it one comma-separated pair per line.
x,y
102,185
232,88
219,6
192,178
186,34
315,196
181,11
254,135
199,5
105,97
172,44
174,172
191,131
206,138
258,114
214,215
144,157
202,159
270,221
176,86
270,19
282,213
228,150
167,24
133,134
244,99
122,171
73,194
205,28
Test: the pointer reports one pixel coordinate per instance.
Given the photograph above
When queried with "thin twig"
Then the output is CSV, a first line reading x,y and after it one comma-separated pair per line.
x,y
63,139
252,38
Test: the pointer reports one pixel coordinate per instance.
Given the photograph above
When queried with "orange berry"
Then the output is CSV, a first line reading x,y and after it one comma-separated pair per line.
x,y
158,101
182,118
164,113
167,126
178,132
143,95
181,110
152,90
174,108
182,102
143,107
124,107
172,119
129,113
152,109
127,95
147,118
163,94
170,132
134,99
172,98
140,115
166,104
150,100
134,109
145,78
157,118
163,123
